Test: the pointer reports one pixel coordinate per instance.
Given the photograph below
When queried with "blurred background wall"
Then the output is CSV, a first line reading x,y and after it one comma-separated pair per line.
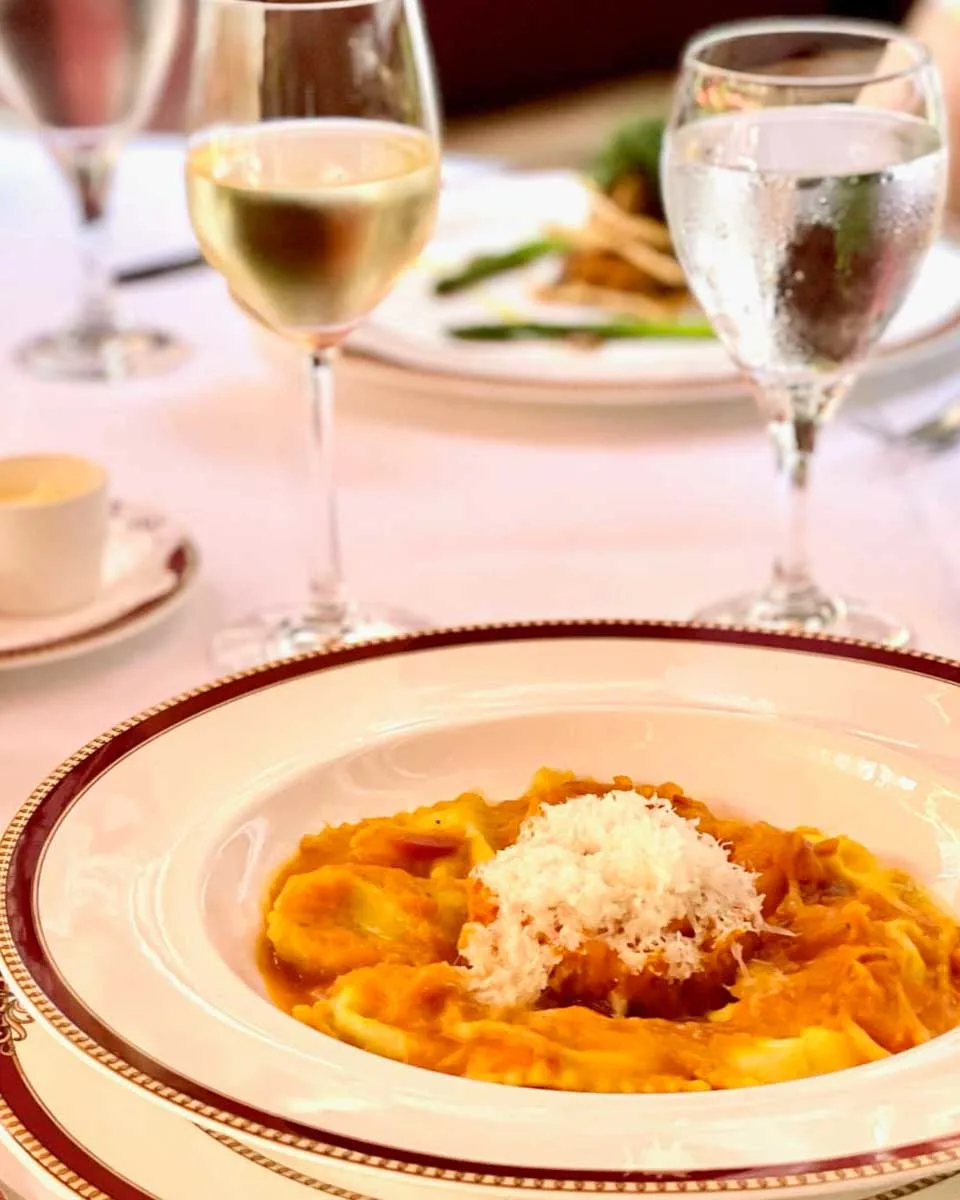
x,y
541,82
538,82
493,54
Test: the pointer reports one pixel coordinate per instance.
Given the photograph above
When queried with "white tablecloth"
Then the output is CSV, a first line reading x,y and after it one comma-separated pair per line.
x,y
466,513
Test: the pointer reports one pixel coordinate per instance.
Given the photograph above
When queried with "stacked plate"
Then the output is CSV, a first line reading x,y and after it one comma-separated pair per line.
x,y
141,1056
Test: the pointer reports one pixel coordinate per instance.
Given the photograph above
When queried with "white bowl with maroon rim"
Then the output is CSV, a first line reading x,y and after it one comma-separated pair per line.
x,y
132,880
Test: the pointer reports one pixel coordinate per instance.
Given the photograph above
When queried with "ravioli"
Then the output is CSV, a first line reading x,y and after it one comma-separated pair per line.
x,y
842,961
340,917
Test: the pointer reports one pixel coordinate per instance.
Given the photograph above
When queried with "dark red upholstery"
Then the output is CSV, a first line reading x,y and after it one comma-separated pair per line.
x,y
493,53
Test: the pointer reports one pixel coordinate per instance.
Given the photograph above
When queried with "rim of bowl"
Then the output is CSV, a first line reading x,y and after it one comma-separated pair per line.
x,y
223,1113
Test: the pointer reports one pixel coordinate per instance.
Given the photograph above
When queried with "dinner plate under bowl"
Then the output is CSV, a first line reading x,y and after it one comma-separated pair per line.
x,y
132,882
78,1132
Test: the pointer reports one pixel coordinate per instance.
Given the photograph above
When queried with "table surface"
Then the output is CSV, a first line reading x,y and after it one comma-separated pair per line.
x,y
465,512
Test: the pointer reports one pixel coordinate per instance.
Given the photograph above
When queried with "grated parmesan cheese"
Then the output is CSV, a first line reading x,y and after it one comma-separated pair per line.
x,y
618,868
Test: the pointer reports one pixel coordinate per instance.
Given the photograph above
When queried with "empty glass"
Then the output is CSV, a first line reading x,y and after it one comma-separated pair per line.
x,y
86,73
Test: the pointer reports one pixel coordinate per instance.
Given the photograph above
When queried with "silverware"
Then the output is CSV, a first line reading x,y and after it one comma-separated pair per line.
x,y
939,432
934,434
468,167
160,268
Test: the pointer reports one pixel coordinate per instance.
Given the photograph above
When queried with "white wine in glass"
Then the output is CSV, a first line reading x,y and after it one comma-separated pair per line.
x,y
311,222
313,175
804,175
85,74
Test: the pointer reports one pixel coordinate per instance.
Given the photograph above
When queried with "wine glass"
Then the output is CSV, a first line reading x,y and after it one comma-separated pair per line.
x,y
87,73
313,176
804,173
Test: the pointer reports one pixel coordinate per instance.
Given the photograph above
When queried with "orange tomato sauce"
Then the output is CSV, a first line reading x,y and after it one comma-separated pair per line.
x,y
361,933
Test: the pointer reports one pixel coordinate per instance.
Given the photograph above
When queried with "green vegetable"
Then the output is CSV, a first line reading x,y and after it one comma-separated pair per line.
x,y
854,219
514,331
485,266
633,149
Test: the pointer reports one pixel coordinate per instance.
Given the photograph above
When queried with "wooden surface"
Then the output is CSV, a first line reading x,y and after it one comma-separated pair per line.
x,y
563,131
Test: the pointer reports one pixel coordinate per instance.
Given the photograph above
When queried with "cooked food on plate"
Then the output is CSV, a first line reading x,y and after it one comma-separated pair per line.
x,y
607,937
620,260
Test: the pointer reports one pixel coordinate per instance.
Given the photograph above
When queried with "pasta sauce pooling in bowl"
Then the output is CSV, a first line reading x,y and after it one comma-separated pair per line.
x,y
608,938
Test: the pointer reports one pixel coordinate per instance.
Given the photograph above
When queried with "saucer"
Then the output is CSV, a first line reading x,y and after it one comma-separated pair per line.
x,y
150,565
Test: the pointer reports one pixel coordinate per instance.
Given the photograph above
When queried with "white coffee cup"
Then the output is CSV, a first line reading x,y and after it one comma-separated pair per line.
x,y
53,529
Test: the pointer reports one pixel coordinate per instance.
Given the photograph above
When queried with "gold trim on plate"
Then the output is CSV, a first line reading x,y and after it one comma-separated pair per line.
x,y
13,1021
44,1158
914,1189
315,1185
328,1189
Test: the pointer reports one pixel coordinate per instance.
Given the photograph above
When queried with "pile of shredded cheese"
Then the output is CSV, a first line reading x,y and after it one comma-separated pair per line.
x,y
618,868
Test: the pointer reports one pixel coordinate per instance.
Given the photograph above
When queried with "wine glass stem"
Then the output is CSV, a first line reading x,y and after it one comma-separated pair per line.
x,y
327,598
90,171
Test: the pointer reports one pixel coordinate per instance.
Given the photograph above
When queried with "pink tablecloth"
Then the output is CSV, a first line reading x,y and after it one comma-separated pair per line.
x,y
466,513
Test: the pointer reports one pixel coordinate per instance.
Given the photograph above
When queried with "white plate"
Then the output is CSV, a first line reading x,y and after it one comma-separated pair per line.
x,y
410,327
150,565
133,878
78,1132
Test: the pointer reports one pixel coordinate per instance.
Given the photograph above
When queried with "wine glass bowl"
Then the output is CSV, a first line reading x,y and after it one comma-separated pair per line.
x,y
313,178
804,175
312,221
85,74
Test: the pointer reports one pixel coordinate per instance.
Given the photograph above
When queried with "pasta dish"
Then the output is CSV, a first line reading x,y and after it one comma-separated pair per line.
x,y
607,937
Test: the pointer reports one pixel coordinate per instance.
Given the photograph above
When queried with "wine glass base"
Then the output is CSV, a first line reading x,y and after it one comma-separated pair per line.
x,y
843,618
78,356
285,632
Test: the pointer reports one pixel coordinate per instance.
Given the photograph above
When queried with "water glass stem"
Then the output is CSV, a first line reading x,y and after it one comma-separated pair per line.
x,y
327,595
793,440
89,169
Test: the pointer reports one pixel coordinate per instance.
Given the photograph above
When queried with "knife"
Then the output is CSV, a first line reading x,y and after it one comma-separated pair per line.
x,y
161,267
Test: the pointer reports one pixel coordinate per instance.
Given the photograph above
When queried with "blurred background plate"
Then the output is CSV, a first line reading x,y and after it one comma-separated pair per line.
x,y
501,211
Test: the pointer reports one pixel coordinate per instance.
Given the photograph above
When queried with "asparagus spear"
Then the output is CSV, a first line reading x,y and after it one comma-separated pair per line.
x,y
511,331
484,266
